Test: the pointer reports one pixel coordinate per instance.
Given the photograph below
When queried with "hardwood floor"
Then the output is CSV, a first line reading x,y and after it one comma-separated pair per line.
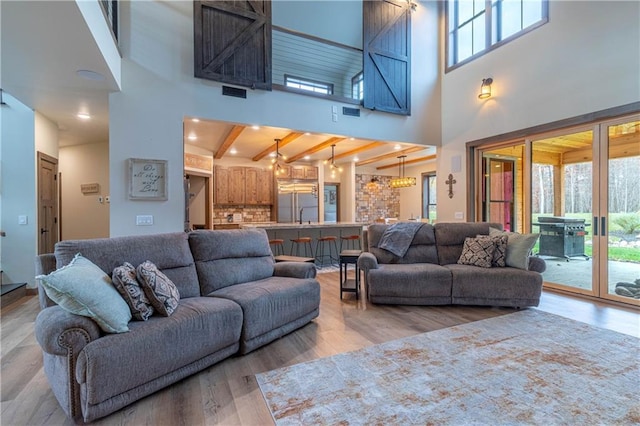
x,y
227,393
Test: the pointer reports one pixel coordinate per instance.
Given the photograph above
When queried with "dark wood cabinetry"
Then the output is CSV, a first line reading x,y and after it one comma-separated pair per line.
x,y
243,185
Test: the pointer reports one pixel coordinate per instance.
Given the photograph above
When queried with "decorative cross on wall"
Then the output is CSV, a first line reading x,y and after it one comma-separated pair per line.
x,y
450,182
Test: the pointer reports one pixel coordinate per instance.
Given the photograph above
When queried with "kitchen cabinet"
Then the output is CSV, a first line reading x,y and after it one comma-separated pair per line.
x,y
304,172
243,185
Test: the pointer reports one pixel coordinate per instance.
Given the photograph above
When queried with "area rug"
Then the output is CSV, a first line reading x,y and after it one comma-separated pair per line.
x,y
529,367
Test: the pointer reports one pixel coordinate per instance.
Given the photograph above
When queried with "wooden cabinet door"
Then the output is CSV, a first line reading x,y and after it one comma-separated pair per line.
x,y
221,185
237,185
265,187
310,172
252,178
297,172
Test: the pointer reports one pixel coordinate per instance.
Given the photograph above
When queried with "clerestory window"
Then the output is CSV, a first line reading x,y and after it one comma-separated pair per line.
x,y
475,27
308,85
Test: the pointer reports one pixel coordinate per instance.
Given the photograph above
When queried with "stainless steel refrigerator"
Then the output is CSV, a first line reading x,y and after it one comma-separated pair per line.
x,y
295,198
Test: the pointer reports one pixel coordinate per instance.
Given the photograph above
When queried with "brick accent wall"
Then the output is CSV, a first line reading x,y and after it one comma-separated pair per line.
x,y
376,199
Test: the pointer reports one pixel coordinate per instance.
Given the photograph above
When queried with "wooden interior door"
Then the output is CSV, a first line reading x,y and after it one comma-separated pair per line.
x,y
48,233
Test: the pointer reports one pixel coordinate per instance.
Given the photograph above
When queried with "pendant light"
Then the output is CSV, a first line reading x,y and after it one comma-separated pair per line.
x,y
332,165
402,181
275,161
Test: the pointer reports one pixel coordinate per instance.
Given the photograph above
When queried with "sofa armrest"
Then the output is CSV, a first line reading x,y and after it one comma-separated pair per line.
x,y
537,264
367,261
295,269
45,264
62,333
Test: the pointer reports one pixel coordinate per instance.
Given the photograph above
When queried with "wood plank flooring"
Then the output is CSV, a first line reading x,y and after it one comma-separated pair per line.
x,y
227,393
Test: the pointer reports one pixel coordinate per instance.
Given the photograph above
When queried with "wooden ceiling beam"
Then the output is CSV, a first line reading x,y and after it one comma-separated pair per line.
x,y
390,155
228,141
284,141
315,149
413,161
358,150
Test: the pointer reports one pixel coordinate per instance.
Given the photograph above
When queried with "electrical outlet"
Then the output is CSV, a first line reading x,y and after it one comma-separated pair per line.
x,y
334,117
107,199
144,220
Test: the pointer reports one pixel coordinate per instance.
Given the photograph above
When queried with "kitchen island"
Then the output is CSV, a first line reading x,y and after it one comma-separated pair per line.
x,y
315,230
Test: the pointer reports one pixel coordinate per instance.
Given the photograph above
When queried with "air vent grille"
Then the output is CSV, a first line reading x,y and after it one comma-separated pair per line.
x,y
234,91
354,112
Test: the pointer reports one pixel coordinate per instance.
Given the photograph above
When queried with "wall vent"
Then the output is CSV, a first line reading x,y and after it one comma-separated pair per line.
x,y
354,112
234,91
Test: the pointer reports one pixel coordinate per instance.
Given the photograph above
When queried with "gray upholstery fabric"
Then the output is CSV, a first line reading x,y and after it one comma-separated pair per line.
x,y
450,237
440,280
495,286
295,269
169,252
270,336
228,257
271,303
118,363
45,264
425,283
422,249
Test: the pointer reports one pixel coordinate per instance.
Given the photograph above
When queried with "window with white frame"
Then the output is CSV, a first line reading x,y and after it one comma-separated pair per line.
x,y
357,86
308,85
477,26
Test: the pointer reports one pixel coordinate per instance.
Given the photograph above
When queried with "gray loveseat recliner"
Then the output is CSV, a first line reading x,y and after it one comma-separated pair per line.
x,y
233,299
428,274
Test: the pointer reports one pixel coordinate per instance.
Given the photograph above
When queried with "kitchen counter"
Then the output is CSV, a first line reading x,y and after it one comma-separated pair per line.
x,y
315,230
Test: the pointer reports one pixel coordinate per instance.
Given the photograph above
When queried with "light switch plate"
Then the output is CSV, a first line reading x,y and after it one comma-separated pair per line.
x,y
23,220
458,215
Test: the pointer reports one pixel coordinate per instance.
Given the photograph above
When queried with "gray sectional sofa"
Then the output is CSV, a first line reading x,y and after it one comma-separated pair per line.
x,y
233,299
428,273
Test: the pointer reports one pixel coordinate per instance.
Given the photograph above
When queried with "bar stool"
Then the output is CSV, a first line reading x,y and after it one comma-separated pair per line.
x,y
333,250
349,242
277,246
306,244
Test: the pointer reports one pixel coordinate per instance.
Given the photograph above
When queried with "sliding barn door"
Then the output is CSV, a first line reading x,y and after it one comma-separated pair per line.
x,y
233,42
387,56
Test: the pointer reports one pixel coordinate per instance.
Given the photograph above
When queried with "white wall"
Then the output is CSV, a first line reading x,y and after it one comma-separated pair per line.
x,y
158,90
83,215
411,197
46,136
584,60
17,142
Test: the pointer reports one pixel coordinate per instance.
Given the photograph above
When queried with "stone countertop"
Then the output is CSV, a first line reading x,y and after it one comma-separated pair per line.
x,y
304,225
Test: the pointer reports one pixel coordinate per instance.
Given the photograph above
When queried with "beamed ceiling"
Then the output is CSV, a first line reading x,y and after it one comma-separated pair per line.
x,y
228,140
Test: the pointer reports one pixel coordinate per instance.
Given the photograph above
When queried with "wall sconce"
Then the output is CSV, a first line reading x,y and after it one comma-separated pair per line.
x,y
485,88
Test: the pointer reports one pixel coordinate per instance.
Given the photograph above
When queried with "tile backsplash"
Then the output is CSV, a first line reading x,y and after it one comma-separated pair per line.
x,y
249,213
376,199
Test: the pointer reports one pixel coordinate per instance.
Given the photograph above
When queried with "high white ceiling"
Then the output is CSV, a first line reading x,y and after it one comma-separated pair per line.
x,y
45,43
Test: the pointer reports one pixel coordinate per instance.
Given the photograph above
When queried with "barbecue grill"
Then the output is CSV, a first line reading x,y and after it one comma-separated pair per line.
x,y
561,237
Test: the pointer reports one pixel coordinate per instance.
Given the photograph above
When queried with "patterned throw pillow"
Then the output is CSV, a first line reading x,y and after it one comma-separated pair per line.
x,y
124,280
161,291
477,252
500,252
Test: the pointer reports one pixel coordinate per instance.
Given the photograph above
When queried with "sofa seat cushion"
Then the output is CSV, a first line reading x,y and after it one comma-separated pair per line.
x,y
494,286
272,302
415,280
117,363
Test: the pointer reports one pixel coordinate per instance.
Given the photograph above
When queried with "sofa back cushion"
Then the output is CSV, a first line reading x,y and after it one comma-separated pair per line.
x,y
228,257
421,250
169,252
450,238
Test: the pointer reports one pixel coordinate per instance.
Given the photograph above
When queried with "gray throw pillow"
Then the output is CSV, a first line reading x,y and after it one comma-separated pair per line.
x,y
161,291
500,252
124,280
82,288
519,247
477,252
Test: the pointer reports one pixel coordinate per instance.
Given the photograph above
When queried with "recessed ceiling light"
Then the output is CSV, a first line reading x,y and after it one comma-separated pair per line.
x,y
83,116
355,158
255,127
192,137
306,157
90,75
233,151
307,134
195,120
396,147
351,139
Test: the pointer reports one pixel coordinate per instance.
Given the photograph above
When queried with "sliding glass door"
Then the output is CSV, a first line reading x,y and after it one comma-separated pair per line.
x,y
579,189
619,219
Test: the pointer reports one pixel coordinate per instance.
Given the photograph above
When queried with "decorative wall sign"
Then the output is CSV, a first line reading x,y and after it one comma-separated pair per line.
x,y
90,188
147,179
200,162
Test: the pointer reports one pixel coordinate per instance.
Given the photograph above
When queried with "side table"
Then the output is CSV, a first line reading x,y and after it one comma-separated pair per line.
x,y
349,284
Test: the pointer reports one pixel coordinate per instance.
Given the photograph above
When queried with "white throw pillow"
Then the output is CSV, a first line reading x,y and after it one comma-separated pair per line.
x,y
518,247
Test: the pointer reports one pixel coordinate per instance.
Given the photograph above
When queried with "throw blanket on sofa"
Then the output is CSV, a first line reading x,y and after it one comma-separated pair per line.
x,y
397,237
